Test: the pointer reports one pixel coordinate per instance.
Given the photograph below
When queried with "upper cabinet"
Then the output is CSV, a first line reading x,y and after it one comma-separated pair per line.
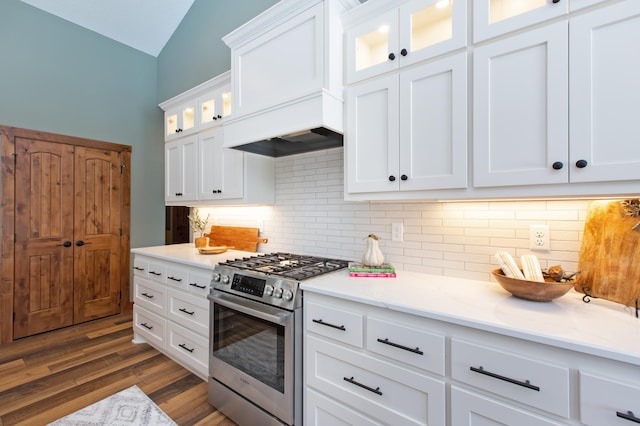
x,y
286,71
199,108
380,39
496,17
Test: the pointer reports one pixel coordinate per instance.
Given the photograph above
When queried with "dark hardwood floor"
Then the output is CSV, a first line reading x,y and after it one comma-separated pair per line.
x,y
48,376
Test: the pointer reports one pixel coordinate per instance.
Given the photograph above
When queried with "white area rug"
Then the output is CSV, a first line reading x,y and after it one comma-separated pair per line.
x,y
128,407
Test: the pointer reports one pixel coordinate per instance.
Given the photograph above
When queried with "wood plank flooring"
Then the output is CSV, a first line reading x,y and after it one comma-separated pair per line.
x,y
48,376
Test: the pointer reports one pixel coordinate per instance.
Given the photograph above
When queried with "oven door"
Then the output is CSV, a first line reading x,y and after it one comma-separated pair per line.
x,y
252,352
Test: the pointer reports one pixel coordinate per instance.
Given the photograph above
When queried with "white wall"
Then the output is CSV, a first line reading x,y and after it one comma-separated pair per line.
x,y
456,239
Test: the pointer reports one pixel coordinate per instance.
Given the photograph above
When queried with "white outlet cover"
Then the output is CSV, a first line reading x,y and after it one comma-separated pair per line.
x,y
539,237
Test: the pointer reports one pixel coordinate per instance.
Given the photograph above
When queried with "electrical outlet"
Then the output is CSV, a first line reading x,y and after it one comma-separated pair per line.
x,y
397,232
539,237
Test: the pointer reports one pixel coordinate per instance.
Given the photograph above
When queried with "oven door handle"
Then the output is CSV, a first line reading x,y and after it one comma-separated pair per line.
x,y
264,312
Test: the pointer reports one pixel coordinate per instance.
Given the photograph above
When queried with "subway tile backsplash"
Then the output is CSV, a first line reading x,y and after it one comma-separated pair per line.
x,y
458,239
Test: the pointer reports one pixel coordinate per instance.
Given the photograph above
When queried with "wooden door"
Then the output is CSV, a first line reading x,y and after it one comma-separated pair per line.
x,y
43,289
97,217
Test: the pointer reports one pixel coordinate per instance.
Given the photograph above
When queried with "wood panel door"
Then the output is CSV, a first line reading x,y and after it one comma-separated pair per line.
x,y
97,230
68,235
43,286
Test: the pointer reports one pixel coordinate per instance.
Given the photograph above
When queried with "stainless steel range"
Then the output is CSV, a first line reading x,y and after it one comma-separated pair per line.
x,y
255,356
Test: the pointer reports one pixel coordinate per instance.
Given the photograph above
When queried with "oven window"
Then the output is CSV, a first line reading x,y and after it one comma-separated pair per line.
x,y
250,344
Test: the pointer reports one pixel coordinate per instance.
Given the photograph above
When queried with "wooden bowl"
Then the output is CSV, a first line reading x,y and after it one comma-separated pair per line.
x,y
532,290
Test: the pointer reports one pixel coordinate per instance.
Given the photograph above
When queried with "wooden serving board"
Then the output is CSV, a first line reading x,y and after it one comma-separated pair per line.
x,y
609,258
240,238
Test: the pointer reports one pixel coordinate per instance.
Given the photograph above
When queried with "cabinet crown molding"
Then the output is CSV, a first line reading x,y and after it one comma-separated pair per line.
x,y
194,92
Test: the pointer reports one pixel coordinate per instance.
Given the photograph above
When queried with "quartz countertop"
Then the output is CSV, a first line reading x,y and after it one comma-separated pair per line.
x,y
188,254
600,328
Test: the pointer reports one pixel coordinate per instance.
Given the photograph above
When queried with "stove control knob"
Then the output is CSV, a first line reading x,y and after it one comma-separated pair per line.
x,y
216,277
277,292
268,290
287,295
225,279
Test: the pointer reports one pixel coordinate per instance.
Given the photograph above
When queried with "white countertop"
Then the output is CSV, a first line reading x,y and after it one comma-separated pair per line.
x,y
188,254
600,328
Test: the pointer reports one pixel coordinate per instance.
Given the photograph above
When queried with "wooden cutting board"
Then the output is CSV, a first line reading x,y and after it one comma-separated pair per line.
x,y
609,258
240,238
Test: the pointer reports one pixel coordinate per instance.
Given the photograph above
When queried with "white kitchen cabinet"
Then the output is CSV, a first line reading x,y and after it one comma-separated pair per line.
x,y
181,170
605,400
221,174
520,109
604,89
492,18
371,385
382,36
201,107
171,310
408,131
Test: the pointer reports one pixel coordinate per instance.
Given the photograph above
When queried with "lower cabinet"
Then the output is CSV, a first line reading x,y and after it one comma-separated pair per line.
x,y
368,365
171,311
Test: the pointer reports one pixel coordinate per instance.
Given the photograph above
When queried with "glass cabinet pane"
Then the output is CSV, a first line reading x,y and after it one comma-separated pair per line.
x,y
207,111
172,124
226,104
505,9
188,118
372,48
431,25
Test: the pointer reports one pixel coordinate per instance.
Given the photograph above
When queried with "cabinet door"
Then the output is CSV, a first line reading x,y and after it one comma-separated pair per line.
x,y
372,146
371,46
180,121
521,109
606,401
221,169
433,125
214,107
604,93
181,170
281,65
495,17
471,409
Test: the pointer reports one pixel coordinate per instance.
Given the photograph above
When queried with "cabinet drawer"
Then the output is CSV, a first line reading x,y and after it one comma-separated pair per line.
x,y
189,310
150,326
177,277
382,390
406,344
336,323
514,376
468,409
140,267
190,349
199,283
150,295
604,401
320,411
157,272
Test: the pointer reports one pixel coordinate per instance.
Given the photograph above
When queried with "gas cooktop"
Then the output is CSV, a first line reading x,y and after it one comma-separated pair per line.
x,y
287,265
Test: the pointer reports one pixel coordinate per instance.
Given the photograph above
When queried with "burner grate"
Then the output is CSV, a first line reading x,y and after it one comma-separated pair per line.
x,y
287,265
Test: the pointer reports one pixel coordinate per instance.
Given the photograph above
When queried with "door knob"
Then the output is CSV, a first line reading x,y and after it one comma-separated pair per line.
x,y
65,244
404,52
392,56
404,177
557,165
80,243
392,178
581,164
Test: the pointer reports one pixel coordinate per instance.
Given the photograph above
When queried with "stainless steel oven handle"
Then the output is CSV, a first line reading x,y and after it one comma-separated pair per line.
x,y
248,307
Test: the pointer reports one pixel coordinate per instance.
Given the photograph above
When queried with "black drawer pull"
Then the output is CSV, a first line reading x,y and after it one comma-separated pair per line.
x,y
148,296
137,268
339,327
396,345
183,346
525,384
155,273
186,312
628,416
175,279
196,285
370,389
148,327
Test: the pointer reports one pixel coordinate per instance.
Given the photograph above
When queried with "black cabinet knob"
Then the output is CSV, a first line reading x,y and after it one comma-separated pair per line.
x,y
392,178
392,56
581,164
214,118
219,116
404,52
557,165
403,177
556,1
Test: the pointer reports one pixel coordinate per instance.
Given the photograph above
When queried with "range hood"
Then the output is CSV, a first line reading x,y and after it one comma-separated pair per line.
x,y
294,143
